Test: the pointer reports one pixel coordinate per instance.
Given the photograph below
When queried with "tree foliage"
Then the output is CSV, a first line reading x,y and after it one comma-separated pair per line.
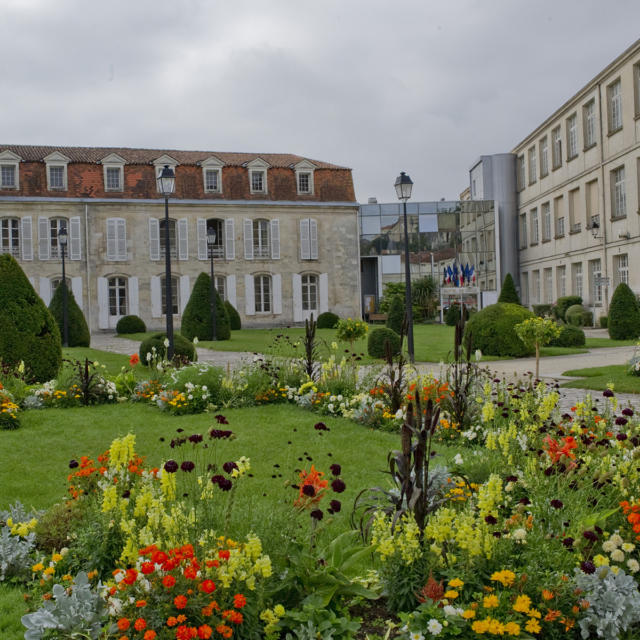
x,y
624,314
234,317
508,292
197,319
77,328
396,314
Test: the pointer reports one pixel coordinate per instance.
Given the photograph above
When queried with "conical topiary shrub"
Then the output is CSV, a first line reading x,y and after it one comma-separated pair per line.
x,y
234,317
77,328
395,317
196,319
624,314
28,332
508,292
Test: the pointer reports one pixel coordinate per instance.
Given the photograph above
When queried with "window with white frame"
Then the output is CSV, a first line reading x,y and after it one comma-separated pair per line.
x,y
544,157
117,287
572,136
258,180
548,286
10,236
636,88
556,148
8,174
55,226
614,104
175,303
523,231
533,165
304,182
576,276
309,292
262,290
57,176
221,286
524,287
535,237
217,225
308,239
621,269
535,287
113,178
546,221
55,283
173,241
595,273
261,239
618,194
520,172
560,227
561,280
589,123
212,180
116,239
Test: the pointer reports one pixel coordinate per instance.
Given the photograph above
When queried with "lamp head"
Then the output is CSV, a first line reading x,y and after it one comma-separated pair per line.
x,y
166,181
62,236
403,186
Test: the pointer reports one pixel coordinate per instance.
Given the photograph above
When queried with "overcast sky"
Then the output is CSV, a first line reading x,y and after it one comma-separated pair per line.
x,y
424,86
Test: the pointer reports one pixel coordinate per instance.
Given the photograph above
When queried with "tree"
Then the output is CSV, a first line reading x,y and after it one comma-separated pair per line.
x,y
234,317
78,331
508,292
28,332
424,292
624,314
196,319
395,317
536,332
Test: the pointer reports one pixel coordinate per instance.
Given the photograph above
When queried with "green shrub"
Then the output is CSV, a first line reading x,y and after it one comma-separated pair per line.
x,y
77,329
130,324
604,321
452,314
570,336
235,324
624,314
542,310
327,320
378,338
395,317
181,347
508,291
424,293
578,316
559,310
196,319
492,330
28,331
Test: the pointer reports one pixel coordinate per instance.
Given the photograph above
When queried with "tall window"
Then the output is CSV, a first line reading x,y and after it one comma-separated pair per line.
x,y
218,227
546,221
548,286
262,287
535,237
544,157
113,178
520,172
614,103
524,284
10,236
57,177
556,148
258,181
595,271
589,122
618,194
558,212
572,137
621,269
577,278
304,182
533,165
55,225
523,231
117,296
636,88
174,295
221,287
173,241
261,240
7,176
309,292
212,180
535,287
561,277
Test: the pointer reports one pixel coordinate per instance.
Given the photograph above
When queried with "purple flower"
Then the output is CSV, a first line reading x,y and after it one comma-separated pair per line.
x,y
590,535
607,393
588,567
556,504
490,519
335,469
320,426
217,434
627,412
317,514
195,438
309,490
229,467
225,484
73,464
335,506
170,466
568,542
338,485
621,436
221,419
621,421
187,466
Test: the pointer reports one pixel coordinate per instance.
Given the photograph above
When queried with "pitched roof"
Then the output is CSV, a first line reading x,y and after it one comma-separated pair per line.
x,y
34,153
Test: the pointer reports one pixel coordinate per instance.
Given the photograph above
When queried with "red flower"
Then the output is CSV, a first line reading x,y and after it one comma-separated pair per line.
x,y
141,603
168,581
150,634
180,602
205,631
223,554
224,630
134,360
186,633
140,624
147,568
239,601
123,624
130,576
191,573
159,557
208,586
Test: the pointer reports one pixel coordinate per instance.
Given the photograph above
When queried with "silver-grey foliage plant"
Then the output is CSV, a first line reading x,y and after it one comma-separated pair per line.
x,y
614,603
15,551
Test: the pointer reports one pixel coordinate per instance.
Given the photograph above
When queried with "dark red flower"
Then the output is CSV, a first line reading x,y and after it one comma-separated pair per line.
x,y
335,469
607,393
590,535
317,514
335,506
308,490
338,485
229,467
195,438
588,567
491,519
320,426
218,434
556,504
171,466
188,466
73,464
221,419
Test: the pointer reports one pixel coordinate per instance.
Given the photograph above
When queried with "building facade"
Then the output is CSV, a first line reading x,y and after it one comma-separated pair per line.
x,y
286,230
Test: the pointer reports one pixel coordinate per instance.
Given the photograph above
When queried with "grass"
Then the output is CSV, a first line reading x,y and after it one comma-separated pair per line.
x,y
598,378
597,343
113,361
12,608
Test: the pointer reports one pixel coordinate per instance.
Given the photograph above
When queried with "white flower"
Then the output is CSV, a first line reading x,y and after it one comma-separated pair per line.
x,y
519,534
608,546
434,627
616,540
478,355
617,555
628,547
195,340
166,342
149,356
633,565
450,611
458,459
204,387
415,635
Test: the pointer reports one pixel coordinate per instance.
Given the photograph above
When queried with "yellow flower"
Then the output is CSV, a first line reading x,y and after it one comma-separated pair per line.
x,y
451,594
480,626
56,557
468,614
490,602
505,577
456,583
522,604
278,610
49,571
37,567
532,626
512,628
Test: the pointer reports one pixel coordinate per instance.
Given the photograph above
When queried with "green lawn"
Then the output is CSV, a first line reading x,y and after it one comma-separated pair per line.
x,y
596,343
112,361
599,377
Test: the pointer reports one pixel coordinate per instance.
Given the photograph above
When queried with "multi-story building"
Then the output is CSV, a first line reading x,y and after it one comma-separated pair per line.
x,y
286,230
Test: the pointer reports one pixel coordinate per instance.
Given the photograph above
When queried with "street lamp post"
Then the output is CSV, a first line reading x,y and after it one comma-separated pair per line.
x,y
166,186
403,187
211,240
62,241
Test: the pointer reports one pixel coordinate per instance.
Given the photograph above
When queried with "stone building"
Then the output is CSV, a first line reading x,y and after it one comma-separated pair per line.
x,y
286,230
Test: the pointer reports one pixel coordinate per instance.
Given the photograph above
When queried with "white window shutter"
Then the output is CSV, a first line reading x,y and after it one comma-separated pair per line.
x,y
185,292
323,285
275,239
249,296
296,282
45,290
75,239
229,239
231,290
121,239
183,239
248,239
27,239
103,303
276,279
154,240
305,251
202,239
44,239
134,301
112,251
76,288
156,298
313,238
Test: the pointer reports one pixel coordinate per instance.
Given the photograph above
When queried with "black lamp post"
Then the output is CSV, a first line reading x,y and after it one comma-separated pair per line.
x,y
403,187
62,241
211,240
166,186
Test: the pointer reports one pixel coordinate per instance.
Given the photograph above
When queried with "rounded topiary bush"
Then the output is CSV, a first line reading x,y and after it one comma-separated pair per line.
x,y
28,331
77,329
327,320
559,310
235,324
181,347
395,316
378,338
492,330
604,322
130,324
570,336
624,314
578,316
508,291
196,319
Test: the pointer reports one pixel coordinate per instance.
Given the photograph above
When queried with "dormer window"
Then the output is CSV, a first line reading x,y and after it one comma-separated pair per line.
x,y
212,175
56,164
113,166
257,181
9,163
162,162
304,177
258,175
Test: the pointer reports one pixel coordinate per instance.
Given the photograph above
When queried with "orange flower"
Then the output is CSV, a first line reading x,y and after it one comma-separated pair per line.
x,y
547,595
180,602
239,601
140,624
134,359
168,581
552,615
123,624
172,621
205,631
312,479
141,603
186,633
208,586
150,634
233,616
224,630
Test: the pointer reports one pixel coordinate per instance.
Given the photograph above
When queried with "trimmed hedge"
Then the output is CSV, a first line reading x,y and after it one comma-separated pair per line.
x,y
542,310
377,340
508,291
570,336
181,346
234,317
624,314
492,330
196,319
578,316
559,310
604,322
327,320
395,316
130,324
77,329
28,331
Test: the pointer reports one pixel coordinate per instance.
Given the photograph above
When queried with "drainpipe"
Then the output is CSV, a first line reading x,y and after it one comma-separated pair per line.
x,y
603,226
86,254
